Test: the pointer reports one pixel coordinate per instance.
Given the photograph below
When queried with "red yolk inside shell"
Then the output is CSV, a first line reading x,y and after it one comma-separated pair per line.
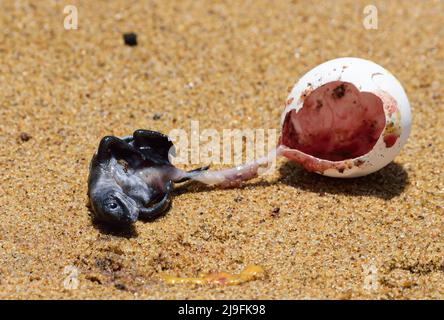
x,y
337,122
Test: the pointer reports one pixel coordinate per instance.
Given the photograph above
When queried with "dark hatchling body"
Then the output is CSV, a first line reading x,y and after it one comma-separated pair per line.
x,y
132,177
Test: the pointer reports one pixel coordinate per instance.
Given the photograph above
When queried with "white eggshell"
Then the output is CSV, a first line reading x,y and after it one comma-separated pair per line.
x,y
366,76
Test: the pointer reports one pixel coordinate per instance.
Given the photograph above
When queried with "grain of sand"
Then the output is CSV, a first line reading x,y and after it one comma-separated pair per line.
x,y
227,64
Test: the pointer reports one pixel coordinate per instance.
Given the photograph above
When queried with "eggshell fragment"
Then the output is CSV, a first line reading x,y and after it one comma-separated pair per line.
x,y
347,117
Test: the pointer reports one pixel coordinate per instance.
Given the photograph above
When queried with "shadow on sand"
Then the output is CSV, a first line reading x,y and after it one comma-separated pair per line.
x,y
127,231
386,183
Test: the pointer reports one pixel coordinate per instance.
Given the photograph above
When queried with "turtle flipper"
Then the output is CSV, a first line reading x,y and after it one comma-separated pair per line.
x,y
150,213
113,147
154,146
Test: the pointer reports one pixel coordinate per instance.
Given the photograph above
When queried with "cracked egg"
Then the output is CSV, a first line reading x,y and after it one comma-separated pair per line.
x,y
347,117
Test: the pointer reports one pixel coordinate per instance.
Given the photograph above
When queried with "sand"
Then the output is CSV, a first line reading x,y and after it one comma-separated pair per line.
x,y
228,65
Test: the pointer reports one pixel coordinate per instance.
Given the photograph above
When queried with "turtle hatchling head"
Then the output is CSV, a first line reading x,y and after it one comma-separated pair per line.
x,y
113,206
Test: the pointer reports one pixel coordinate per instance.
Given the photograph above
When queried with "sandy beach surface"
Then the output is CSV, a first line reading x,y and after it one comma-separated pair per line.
x,y
228,65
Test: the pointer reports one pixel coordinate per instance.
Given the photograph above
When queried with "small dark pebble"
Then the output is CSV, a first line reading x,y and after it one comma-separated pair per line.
x,y
120,286
25,136
157,116
275,212
130,39
94,279
238,199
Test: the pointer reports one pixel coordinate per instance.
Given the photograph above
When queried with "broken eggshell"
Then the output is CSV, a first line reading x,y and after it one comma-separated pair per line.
x,y
345,118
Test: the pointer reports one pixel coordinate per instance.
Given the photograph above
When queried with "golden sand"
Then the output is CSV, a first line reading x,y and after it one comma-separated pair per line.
x,y
227,64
